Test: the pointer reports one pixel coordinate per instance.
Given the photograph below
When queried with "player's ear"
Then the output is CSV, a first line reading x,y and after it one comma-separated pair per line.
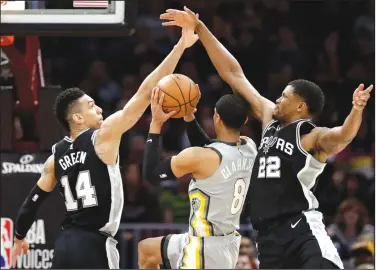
x,y
246,120
302,106
77,118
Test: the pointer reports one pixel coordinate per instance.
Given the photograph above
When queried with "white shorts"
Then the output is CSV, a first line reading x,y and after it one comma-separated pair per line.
x,y
183,251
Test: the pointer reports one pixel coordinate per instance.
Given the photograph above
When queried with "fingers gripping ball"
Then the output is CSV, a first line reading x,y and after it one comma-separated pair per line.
x,y
181,94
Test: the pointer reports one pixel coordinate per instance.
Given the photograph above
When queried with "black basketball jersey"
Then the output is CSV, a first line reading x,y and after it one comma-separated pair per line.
x,y
92,190
284,174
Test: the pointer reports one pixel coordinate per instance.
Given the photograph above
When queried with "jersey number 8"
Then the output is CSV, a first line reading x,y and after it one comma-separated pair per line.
x,y
239,195
84,190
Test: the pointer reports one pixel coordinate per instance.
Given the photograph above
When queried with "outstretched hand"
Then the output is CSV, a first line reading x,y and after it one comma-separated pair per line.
x,y
185,19
361,96
158,115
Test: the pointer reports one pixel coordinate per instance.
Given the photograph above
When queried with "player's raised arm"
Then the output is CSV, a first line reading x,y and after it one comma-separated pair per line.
x,y
108,138
28,210
330,141
227,66
196,135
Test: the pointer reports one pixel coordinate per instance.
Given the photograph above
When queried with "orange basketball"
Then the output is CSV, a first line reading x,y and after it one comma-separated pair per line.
x,y
181,94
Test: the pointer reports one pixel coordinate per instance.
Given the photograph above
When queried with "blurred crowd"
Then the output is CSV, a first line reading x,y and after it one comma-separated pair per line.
x,y
275,41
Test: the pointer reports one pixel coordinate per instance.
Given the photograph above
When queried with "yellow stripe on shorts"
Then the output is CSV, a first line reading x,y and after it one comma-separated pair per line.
x,y
193,257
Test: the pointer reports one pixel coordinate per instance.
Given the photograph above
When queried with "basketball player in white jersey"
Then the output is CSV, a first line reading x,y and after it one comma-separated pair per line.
x,y
221,172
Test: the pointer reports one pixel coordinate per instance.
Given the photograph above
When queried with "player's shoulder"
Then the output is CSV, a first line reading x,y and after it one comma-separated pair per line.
x,y
306,126
85,136
251,143
201,154
64,143
197,151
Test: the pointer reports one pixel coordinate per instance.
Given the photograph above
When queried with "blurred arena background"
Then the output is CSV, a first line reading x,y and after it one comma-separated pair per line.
x,y
275,41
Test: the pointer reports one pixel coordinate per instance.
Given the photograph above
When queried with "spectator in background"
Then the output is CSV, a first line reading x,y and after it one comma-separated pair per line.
x,y
244,262
247,255
350,223
359,154
136,148
286,63
328,65
140,200
102,87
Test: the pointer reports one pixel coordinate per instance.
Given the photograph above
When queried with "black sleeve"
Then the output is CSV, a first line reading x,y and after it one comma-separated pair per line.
x,y
196,134
153,168
28,210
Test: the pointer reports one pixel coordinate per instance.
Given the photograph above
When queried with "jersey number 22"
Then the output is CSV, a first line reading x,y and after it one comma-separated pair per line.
x,y
269,167
84,190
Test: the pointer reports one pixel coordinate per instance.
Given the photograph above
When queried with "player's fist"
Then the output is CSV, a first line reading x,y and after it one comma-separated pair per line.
x,y
361,96
185,19
19,245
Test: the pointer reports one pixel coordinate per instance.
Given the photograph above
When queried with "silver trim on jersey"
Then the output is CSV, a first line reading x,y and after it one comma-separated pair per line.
x,y
298,139
53,149
267,127
307,178
112,253
312,169
68,139
93,136
117,199
327,248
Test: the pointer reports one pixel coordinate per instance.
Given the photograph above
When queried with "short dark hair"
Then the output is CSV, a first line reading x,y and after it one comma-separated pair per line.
x,y
312,95
64,101
232,110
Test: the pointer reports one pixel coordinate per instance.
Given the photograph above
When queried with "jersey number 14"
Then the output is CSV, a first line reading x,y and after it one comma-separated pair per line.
x,y
84,190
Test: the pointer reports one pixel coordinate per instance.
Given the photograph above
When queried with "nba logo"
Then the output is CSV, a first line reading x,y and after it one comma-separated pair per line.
x,y
6,242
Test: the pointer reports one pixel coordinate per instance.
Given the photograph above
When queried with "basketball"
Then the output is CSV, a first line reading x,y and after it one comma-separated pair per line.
x,y
181,94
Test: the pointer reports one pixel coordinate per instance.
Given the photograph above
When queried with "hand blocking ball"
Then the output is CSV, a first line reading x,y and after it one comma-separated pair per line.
x,y
181,94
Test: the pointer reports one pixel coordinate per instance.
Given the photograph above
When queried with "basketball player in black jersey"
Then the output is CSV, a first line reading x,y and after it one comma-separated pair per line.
x,y
86,168
292,154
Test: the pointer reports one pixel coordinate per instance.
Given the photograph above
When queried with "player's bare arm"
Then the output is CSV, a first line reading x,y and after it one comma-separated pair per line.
x,y
325,142
225,63
29,208
198,161
108,137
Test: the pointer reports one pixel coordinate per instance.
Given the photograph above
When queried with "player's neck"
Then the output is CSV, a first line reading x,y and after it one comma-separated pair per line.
x,y
228,136
292,119
75,132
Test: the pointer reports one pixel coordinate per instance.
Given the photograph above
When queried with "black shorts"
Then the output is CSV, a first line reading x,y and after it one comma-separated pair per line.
x,y
80,249
298,242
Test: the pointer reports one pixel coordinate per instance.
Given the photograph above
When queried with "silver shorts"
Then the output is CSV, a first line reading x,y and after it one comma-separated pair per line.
x,y
184,251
